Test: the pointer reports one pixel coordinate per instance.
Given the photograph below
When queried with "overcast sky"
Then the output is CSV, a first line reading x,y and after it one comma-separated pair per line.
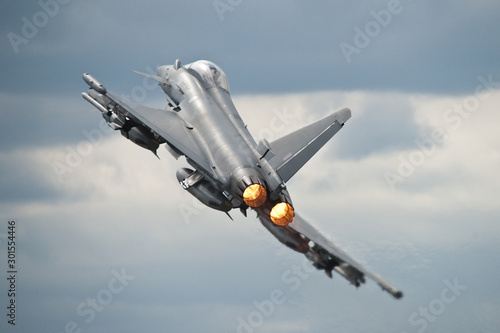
x,y
409,187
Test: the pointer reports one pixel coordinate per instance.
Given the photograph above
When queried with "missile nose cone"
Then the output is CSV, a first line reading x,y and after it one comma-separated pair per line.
x,y
255,195
282,214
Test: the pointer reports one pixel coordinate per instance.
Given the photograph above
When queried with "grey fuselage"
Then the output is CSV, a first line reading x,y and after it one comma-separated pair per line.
x,y
214,122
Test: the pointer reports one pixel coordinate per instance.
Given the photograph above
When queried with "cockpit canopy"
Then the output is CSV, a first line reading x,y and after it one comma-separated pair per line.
x,y
209,73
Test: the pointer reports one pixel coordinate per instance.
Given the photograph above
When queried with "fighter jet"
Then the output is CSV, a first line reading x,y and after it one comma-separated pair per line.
x,y
229,169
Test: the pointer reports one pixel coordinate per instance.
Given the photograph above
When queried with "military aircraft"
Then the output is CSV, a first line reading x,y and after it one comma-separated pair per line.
x,y
230,170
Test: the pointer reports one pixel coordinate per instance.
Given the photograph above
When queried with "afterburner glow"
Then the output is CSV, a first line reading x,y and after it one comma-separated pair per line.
x,y
282,214
255,195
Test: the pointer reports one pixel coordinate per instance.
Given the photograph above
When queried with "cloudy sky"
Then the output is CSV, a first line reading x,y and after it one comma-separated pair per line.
x,y
107,241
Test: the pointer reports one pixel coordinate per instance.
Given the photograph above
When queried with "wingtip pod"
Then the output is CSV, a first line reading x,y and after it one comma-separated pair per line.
x,y
385,285
94,84
343,115
397,294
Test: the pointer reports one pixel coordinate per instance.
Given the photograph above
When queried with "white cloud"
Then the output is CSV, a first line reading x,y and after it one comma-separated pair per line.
x,y
119,207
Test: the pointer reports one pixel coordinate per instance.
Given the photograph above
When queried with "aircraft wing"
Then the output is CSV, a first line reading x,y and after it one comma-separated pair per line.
x,y
302,237
167,124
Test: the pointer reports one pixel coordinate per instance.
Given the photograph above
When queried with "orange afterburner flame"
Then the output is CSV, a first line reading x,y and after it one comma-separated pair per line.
x,y
282,214
255,195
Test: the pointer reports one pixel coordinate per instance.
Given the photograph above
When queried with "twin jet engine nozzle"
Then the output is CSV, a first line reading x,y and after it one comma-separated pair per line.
x,y
282,214
254,195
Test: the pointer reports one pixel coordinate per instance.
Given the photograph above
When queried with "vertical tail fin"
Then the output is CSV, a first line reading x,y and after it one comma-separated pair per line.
x,y
292,151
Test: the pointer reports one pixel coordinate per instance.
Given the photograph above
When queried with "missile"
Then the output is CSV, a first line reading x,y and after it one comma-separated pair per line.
x,y
94,84
95,103
101,99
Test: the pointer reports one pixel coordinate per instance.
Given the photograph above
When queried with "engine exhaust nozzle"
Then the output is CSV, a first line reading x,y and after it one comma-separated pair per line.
x,y
254,195
282,214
